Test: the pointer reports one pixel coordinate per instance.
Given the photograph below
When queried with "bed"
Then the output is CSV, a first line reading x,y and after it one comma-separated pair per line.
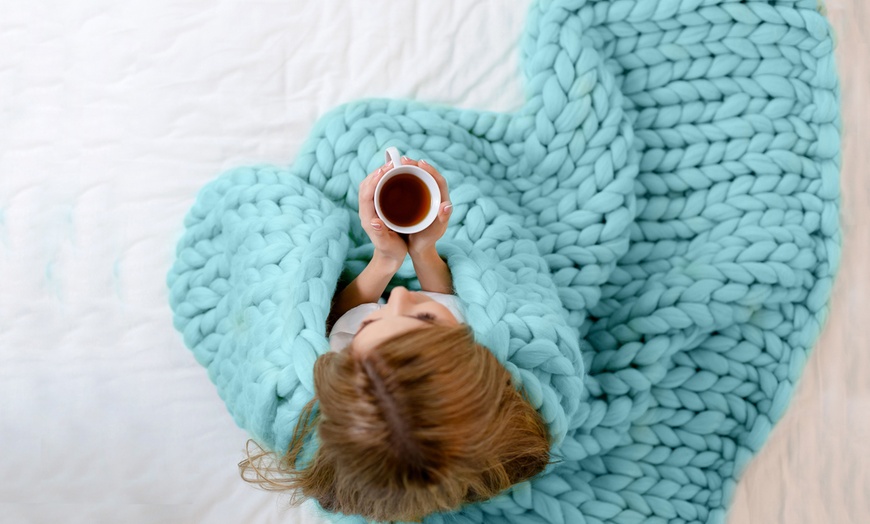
x,y
115,114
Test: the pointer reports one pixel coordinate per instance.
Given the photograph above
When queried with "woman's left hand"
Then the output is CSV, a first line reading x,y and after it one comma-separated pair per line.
x,y
424,242
389,246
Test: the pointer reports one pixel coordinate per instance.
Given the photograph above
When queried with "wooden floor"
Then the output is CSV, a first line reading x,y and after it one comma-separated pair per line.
x,y
815,469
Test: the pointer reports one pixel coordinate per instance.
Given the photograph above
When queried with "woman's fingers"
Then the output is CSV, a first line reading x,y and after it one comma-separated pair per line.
x,y
439,179
371,180
446,209
367,192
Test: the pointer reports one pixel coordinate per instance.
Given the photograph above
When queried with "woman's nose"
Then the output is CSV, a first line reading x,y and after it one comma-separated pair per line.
x,y
400,298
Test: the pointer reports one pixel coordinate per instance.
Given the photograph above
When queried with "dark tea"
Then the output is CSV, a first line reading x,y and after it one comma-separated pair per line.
x,y
404,200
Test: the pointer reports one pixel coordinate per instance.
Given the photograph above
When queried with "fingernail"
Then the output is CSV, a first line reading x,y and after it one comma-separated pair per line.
x,y
423,162
448,208
376,226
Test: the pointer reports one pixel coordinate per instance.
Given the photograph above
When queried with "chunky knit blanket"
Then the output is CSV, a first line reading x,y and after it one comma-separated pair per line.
x,y
647,245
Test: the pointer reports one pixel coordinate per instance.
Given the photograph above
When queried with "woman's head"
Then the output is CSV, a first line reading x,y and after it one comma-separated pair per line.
x,y
405,311
423,421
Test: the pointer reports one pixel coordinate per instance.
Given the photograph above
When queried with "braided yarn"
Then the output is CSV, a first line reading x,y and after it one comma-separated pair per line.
x,y
648,245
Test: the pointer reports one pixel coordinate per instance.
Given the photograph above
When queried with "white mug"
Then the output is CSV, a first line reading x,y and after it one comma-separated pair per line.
x,y
392,155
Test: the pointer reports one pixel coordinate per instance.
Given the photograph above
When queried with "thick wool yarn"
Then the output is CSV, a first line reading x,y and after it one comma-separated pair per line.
x,y
648,245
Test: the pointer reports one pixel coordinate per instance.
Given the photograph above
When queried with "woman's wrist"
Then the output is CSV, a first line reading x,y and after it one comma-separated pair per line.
x,y
427,253
432,272
382,264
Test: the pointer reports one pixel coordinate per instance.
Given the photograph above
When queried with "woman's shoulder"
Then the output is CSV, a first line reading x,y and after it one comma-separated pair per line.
x,y
440,297
434,294
350,321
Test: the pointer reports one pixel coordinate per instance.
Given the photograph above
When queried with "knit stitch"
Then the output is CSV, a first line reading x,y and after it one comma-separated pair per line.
x,y
648,245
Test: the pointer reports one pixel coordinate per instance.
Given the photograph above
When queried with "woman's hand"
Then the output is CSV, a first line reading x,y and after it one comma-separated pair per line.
x,y
390,248
424,242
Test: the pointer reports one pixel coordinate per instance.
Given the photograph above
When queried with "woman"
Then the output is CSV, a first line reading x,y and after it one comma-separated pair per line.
x,y
414,416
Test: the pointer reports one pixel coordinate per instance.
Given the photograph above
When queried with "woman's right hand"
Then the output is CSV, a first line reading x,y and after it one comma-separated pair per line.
x,y
423,243
390,248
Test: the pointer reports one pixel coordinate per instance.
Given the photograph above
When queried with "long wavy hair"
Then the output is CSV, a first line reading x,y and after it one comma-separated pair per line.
x,y
426,422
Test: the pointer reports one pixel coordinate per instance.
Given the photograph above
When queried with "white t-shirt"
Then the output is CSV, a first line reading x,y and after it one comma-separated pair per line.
x,y
348,324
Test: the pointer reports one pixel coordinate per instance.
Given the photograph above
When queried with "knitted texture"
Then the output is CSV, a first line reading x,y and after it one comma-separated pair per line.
x,y
648,246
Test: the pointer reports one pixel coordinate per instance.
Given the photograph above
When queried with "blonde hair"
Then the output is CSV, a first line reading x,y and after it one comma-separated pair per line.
x,y
426,422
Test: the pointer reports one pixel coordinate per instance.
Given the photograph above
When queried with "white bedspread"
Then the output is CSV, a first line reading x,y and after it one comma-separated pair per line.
x,y
112,116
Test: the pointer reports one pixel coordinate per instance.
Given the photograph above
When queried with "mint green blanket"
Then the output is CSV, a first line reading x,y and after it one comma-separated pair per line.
x,y
648,245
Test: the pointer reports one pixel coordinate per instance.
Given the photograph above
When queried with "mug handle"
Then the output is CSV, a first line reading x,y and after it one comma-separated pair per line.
x,y
393,156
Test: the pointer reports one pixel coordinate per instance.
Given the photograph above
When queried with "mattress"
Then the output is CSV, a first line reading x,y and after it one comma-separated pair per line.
x,y
115,114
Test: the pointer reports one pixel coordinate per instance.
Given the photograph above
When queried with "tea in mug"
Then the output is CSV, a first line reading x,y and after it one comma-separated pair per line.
x,y
405,200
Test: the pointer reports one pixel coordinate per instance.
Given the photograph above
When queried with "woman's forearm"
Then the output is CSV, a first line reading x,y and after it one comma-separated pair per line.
x,y
367,287
432,272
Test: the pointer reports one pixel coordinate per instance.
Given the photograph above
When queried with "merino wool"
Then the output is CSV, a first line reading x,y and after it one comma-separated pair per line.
x,y
648,245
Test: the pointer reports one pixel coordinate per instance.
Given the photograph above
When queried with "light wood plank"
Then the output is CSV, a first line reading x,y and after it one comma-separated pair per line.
x,y
815,468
